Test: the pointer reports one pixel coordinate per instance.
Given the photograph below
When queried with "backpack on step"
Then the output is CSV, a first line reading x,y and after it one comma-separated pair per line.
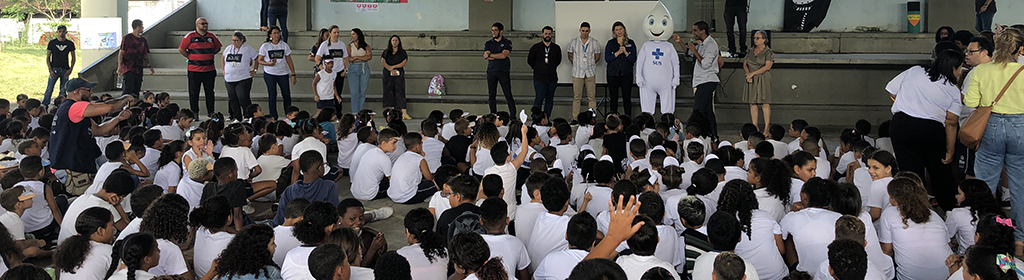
x,y
436,88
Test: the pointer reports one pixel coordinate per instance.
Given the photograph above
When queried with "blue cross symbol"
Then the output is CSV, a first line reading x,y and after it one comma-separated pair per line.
x,y
657,53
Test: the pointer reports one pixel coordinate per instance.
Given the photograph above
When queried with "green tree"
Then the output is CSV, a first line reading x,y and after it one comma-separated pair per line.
x,y
54,10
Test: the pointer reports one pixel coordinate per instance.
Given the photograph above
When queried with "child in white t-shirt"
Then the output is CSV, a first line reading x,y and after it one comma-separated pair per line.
x,y
372,178
580,234
237,139
439,201
761,232
213,233
567,152
507,167
170,172
548,234
324,92
511,250
913,234
480,151
432,147
469,254
427,252
367,140
653,207
644,244
975,201
16,200
527,212
199,147
881,165
724,232
347,142
448,130
271,162
153,145
283,236
412,181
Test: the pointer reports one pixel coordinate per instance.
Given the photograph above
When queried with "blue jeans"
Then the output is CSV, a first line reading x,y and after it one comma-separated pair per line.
x,y
59,72
1003,146
358,79
279,15
545,95
983,21
273,81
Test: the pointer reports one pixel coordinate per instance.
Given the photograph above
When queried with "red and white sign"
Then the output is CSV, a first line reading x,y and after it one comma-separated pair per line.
x,y
367,7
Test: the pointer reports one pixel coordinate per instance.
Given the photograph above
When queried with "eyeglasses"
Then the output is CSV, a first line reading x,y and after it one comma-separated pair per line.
x,y
970,52
445,194
205,23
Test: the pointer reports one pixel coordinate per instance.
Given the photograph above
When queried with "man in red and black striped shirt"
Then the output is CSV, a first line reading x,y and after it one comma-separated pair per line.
x,y
199,47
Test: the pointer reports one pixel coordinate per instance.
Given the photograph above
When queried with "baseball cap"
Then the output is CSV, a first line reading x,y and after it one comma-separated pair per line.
x,y
26,195
77,83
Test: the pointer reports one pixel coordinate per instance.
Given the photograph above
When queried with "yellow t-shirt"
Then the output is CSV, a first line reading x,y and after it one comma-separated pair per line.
x,y
987,80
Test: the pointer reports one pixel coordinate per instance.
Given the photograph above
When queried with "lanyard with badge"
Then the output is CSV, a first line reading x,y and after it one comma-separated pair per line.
x,y
547,49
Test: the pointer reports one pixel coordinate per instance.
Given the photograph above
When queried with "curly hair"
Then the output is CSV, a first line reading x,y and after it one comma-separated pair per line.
x,y
167,218
738,198
911,200
392,266
247,253
979,199
316,217
26,271
471,253
487,133
775,177
420,224
8,248
71,253
995,234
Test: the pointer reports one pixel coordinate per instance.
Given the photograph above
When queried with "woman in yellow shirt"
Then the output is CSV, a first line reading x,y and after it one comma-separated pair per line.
x,y
1003,142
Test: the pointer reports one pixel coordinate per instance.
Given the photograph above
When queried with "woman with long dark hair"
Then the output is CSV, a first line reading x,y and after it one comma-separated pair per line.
x,y
334,48
324,35
924,122
250,255
1000,146
359,70
86,255
139,252
620,54
393,59
275,74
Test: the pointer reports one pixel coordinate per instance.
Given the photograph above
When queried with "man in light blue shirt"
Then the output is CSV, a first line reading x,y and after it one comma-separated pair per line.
x,y
705,72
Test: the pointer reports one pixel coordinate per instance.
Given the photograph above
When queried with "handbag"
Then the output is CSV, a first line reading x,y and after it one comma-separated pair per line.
x,y
974,126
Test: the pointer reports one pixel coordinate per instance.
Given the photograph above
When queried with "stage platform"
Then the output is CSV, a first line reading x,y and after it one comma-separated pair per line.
x,y
834,78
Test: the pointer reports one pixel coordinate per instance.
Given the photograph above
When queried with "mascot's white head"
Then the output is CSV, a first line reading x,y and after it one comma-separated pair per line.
x,y
658,25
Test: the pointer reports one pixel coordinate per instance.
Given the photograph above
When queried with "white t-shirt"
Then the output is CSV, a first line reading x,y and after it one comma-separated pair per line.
x,y
96,263
881,261
735,172
296,264
423,268
192,191
347,147
14,225
357,156
440,204
172,262
375,165
636,265
770,204
918,96
448,130
363,273
880,194
325,87
243,159
959,225
289,144
824,168
508,174
406,178
271,166
122,274
558,265
920,250
173,132
548,236
237,63
794,191
133,227
77,207
310,144
285,241
168,175
432,150
208,247
280,51
844,160
760,247
872,274
704,266
885,144
150,161
337,50
812,229
862,180
512,252
567,153
483,161
527,218
600,194
748,155
781,148
101,176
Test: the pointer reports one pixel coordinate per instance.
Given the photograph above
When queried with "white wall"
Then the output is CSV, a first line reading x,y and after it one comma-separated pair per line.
x,y
535,14
601,16
843,15
1008,12
230,14
433,15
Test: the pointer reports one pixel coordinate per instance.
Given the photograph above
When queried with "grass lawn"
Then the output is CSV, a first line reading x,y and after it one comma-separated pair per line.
x,y
25,71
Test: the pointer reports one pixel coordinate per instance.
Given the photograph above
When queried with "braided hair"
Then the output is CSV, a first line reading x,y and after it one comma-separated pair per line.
x,y
134,249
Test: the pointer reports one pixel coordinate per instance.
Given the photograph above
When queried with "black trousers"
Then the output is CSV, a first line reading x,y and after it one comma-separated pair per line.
x,y
132,83
238,97
704,101
394,90
493,78
339,86
623,84
920,145
736,15
205,80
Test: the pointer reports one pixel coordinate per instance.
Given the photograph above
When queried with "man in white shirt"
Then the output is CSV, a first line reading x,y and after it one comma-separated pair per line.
x,y
549,233
643,243
584,53
410,170
371,181
724,232
508,167
432,148
580,233
511,250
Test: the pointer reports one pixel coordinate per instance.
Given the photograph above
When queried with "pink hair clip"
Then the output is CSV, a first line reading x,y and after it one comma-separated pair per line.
x,y
1005,222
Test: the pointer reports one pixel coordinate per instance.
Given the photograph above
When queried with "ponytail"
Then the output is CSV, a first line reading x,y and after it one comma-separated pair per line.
x,y
420,223
211,214
316,217
492,269
71,253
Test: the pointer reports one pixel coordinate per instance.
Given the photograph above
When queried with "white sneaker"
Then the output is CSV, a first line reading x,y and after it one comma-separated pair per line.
x,y
381,213
248,209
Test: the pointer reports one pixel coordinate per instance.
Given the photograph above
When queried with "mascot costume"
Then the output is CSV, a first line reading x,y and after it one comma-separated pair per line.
x,y
657,63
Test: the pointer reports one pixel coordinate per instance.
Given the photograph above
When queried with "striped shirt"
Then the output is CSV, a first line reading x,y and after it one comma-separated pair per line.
x,y
201,49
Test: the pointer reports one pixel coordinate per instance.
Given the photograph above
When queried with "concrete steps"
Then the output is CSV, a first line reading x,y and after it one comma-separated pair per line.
x,y
418,60
411,40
